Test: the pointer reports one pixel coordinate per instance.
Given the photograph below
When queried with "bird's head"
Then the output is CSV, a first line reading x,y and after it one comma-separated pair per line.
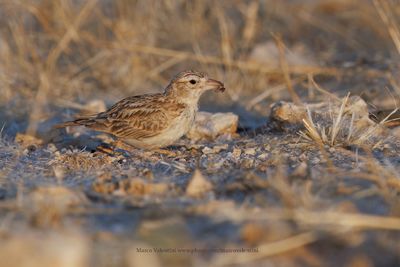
x,y
192,84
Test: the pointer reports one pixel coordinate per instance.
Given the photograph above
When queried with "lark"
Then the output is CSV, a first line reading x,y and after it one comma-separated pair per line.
x,y
153,121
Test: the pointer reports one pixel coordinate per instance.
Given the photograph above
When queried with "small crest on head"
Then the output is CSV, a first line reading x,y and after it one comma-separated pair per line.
x,y
188,73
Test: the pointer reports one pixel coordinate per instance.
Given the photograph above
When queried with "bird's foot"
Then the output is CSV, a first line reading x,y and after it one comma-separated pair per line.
x,y
119,148
113,149
165,152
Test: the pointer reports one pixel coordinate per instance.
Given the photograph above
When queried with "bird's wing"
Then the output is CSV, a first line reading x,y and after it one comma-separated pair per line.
x,y
138,117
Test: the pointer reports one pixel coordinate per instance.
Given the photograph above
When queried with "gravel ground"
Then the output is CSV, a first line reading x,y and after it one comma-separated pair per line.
x,y
308,176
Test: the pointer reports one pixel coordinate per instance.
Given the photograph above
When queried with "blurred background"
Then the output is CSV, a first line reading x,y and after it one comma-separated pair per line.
x,y
57,56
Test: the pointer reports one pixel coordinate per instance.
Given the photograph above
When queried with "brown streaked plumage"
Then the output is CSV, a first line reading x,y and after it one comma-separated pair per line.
x,y
153,120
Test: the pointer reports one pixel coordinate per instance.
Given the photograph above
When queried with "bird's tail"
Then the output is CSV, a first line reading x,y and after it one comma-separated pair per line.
x,y
82,121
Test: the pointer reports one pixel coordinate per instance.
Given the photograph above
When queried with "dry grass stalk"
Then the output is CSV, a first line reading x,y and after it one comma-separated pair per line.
x,y
226,47
268,249
324,219
311,128
47,70
332,222
385,11
361,139
342,131
340,219
318,135
70,34
254,101
320,89
338,120
285,69
250,28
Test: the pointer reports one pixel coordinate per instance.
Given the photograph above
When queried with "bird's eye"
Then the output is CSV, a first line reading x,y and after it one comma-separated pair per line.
x,y
192,81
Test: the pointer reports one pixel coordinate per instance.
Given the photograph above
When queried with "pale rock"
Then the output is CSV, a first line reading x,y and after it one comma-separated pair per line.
x,y
288,112
211,125
215,149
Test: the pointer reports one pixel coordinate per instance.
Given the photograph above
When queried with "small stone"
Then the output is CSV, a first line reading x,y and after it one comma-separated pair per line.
x,y
301,170
316,160
247,163
215,149
51,147
59,172
198,185
236,153
250,151
263,156
287,112
219,148
207,150
303,157
215,165
387,146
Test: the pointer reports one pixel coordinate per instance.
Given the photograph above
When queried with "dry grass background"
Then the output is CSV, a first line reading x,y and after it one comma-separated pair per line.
x,y
301,204
58,52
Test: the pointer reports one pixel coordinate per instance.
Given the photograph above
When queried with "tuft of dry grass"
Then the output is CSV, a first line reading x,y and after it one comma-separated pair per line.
x,y
344,130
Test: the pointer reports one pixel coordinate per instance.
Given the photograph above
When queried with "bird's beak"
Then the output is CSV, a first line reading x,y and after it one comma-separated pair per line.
x,y
212,84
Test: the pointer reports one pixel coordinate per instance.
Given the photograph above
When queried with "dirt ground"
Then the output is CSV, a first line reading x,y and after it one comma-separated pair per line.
x,y
310,177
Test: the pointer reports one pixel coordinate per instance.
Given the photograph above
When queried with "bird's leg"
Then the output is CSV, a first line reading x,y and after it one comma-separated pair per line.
x,y
124,146
115,148
106,148
145,154
133,151
165,152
